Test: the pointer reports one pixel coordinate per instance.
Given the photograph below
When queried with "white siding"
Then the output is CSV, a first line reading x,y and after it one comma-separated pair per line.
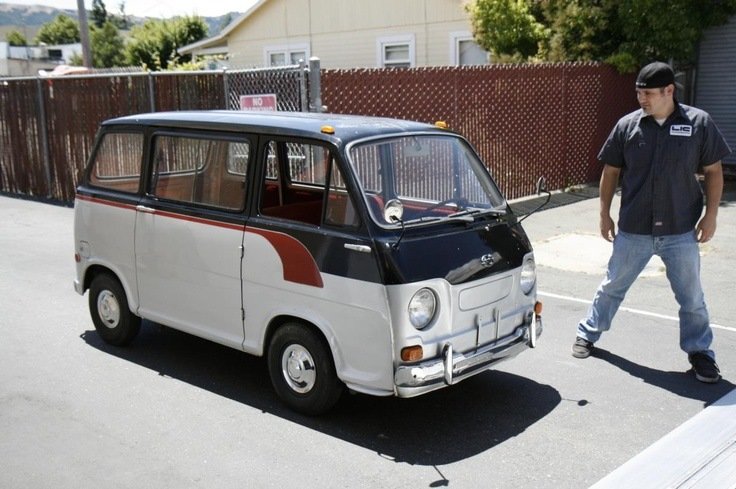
x,y
344,34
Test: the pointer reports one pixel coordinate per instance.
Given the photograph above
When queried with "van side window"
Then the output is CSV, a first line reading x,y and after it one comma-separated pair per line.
x,y
200,171
294,181
117,162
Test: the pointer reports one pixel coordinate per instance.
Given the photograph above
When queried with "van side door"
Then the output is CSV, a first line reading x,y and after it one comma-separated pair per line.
x,y
309,258
189,234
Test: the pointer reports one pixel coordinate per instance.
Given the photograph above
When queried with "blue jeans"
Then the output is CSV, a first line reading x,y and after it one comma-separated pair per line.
x,y
631,253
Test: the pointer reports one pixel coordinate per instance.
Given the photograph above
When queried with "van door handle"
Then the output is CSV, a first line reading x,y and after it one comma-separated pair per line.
x,y
357,247
143,208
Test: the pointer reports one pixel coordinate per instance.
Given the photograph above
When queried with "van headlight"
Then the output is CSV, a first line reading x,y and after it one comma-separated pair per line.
x,y
422,307
528,275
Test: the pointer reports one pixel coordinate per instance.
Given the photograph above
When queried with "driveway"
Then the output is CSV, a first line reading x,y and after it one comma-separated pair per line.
x,y
173,410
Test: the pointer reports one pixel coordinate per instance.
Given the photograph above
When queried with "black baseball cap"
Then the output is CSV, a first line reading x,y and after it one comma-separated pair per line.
x,y
655,75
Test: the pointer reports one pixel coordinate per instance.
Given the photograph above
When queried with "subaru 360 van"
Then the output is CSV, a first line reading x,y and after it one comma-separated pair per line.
x,y
370,254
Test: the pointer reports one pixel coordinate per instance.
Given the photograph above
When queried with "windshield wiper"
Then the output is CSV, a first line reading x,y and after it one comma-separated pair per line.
x,y
424,219
472,212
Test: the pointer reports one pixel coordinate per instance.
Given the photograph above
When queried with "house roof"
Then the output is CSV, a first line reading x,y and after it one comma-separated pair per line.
x,y
218,44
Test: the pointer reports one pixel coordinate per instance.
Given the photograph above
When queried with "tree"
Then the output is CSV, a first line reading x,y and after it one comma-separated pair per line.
x,y
16,38
625,33
61,30
99,13
506,28
107,46
580,30
153,45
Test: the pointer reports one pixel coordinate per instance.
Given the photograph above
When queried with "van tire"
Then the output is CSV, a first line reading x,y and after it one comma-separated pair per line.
x,y
302,370
108,306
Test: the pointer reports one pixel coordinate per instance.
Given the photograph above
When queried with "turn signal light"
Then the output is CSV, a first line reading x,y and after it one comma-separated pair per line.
x,y
538,308
412,353
327,129
441,124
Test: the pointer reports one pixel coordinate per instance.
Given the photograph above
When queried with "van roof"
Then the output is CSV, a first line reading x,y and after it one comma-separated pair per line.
x,y
346,127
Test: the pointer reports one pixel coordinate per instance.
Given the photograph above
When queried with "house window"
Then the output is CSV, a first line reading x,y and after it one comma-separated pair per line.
x,y
396,52
464,51
285,55
55,55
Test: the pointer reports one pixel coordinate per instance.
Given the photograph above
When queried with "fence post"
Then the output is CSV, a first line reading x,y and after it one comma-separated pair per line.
x,y
43,131
226,88
303,102
151,91
315,86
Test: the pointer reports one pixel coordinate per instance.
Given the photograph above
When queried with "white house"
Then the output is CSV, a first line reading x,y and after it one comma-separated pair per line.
x,y
28,60
347,34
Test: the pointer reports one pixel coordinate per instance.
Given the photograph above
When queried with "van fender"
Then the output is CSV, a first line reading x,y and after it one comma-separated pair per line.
x,y
94,266
310,318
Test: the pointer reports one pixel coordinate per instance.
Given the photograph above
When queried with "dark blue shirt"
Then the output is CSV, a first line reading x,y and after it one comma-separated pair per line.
x,y
660,194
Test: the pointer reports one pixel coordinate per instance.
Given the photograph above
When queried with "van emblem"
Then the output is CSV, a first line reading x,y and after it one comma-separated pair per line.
x,y
487,260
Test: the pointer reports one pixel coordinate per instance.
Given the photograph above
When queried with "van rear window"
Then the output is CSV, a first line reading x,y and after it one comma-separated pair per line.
x,y
117,162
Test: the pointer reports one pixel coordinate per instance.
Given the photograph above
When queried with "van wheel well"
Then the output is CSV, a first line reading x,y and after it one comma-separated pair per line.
x,y
94,271
279,321
302,368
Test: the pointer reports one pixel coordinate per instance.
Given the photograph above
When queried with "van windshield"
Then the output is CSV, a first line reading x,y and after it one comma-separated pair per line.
x,y
423,178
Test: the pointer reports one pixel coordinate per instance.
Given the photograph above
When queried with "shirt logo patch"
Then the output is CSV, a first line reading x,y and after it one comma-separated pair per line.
x,y
681,130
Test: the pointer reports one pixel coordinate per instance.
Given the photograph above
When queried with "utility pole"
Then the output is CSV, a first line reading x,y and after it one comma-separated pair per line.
x,y
84,34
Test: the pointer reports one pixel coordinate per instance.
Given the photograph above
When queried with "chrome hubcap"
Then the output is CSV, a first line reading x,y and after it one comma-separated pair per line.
x,y
108,309
297,367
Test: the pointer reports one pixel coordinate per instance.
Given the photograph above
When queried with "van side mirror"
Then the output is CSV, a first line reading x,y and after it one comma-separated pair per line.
x,y
541,185
541,188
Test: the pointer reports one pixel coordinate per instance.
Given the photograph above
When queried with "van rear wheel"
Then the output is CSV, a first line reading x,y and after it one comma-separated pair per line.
x,y
108,306
302,370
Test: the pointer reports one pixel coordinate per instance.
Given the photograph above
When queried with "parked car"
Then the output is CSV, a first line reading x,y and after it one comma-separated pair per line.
x,y
369,253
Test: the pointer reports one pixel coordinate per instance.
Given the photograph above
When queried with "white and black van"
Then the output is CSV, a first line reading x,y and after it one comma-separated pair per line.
x,y
367,253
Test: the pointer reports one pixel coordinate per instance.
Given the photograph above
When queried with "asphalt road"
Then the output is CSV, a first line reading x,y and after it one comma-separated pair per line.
x,y
174,411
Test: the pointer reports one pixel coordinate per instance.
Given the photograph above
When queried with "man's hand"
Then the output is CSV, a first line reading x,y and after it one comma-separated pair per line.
x,y
706,228
609,182
608,228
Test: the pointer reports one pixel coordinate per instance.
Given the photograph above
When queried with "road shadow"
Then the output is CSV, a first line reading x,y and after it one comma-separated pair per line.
x,y
438,428
683,384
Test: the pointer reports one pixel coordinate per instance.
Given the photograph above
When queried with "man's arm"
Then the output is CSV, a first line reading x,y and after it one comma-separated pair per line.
x,y
607,188
706,228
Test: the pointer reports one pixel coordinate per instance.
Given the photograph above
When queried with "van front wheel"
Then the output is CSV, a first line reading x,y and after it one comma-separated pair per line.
x,y
302,371
108,307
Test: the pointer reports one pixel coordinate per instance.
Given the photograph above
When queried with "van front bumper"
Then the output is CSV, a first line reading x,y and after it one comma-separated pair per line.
x,y
451,368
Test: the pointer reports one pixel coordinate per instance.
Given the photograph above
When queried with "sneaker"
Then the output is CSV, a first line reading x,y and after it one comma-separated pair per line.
x,y
582,348
705,368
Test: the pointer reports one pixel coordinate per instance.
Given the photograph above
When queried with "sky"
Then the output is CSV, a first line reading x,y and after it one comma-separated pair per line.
x,y
154,8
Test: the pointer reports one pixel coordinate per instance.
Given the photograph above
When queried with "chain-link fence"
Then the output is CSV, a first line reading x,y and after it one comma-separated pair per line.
x,y
524,120
48,125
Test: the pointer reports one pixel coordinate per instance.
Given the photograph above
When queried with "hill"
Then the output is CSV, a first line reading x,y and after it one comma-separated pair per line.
x,y
29,18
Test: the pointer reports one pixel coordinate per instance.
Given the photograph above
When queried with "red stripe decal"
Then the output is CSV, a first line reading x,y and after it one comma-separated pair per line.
x,y
104,202
298,262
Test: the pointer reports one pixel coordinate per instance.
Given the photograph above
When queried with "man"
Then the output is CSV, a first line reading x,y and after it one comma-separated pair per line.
x,y
656,151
